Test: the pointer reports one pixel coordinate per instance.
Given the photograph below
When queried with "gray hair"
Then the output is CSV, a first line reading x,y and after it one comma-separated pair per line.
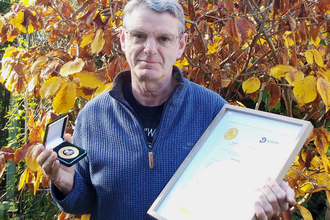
x,y
171,6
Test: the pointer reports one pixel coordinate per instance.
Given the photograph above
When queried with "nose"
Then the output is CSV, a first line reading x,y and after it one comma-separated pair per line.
x,y
150,46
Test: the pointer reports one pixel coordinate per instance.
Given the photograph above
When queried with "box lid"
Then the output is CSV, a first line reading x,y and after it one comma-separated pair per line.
x,y
54,132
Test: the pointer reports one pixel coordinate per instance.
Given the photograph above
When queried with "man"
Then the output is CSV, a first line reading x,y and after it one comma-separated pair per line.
x,y
137,134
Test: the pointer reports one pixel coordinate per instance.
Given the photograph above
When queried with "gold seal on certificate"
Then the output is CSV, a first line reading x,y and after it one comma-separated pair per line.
x,y
231,134
68,152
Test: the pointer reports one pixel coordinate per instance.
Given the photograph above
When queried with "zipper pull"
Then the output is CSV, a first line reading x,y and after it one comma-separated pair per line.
x,y
151,160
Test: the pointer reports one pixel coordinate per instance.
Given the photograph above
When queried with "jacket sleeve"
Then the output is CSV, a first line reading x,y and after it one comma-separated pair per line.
x,y
80,200
82,197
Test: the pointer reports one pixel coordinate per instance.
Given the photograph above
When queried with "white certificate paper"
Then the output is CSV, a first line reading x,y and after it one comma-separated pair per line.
x,y
240,149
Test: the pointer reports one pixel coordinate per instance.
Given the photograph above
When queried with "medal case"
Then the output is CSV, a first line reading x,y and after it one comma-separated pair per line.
x,y
67,153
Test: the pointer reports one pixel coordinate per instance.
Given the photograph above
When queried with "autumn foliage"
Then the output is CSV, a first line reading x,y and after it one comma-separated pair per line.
x,y
275,53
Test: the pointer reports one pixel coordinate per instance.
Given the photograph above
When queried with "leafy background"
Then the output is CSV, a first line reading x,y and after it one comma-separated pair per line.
x,y
58,54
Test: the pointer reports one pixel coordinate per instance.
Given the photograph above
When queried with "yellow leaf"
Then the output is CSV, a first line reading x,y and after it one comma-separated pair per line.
x,y
87,39
72,67
98,42
304,212
22,179
102,89
8,52
261,41
309,57
215,47
182,63
294,77
41,60
30,29
251,85
305,90
85,217
65,98
316,42
30,161
281,70
318,58
323,87
88,80
306,187
2,22
50,87
17,19
38,180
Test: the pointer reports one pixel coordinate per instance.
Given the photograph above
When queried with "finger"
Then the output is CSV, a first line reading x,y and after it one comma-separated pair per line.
x,y
290,195
263,207
37,150
68,137
46,160
43,155
278,196
260,213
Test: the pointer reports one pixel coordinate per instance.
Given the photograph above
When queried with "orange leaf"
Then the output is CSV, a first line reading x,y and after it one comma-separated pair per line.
x,y
229,6
45,182
107,47
8,153
274,94
20,153
36,134
231,30
321,139
3,164
246,29
302,31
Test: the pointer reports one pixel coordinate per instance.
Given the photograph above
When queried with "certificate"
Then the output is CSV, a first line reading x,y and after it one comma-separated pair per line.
x,y
240,148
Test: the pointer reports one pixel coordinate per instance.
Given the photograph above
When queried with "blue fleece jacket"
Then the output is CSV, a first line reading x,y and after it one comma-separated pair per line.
x,y
115,181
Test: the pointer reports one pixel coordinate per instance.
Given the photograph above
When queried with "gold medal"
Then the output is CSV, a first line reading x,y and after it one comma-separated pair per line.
x,y
68,152
231,134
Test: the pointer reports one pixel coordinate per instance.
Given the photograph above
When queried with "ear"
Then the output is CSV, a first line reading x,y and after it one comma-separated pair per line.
x,y
182,45
122,39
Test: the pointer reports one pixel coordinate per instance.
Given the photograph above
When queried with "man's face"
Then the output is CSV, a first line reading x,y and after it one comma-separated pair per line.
x,y
149,61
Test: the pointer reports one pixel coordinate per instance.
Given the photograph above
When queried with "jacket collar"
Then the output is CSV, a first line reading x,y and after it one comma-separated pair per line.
x,y
124,77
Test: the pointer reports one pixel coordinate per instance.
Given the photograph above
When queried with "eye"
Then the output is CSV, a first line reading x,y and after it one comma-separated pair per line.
x,y
164,39
139,36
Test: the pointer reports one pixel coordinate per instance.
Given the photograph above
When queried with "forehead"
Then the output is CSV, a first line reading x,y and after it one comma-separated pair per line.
x,y
151,21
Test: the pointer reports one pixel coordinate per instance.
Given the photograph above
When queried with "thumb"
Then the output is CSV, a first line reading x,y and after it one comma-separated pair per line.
x,y
68,137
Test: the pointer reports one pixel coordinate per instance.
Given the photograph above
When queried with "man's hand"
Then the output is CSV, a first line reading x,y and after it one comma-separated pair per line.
x,y
61,176
272,199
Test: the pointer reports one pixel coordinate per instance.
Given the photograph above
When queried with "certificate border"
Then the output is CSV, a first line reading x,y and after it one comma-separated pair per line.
x,y
306,128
